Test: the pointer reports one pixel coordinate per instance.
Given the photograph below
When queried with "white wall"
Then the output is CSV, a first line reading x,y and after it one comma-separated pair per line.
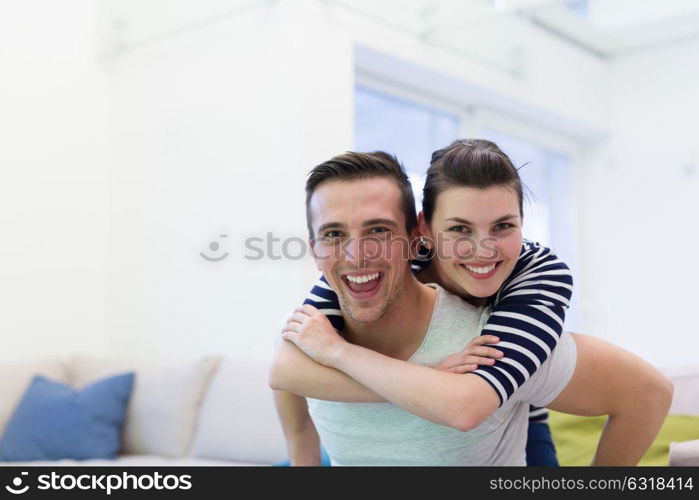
x,y
53,180
640,216
213,133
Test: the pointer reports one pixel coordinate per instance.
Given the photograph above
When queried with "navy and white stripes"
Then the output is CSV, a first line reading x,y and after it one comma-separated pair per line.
x,y
324,298
528,314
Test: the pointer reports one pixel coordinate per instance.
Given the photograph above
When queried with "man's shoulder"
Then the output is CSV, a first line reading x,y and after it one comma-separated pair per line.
x,y
449,309
552,376
450,302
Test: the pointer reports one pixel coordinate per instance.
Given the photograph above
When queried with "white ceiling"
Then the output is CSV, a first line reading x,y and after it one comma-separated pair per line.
x,y
487,30
616,27
605,27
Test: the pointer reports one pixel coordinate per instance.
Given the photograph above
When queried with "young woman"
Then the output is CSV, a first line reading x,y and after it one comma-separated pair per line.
x,y
475,251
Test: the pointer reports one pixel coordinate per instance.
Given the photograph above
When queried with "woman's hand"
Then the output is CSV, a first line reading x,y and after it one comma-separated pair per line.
x,y
474,354
311,331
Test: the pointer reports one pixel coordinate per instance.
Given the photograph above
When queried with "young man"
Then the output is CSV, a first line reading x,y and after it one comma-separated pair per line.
x,y
361,221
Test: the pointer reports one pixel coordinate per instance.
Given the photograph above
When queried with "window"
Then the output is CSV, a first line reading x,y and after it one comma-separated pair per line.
x,y
409,130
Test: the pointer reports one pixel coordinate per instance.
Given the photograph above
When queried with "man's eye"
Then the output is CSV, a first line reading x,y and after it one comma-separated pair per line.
x,y
460,229
331,235
379,230
502,226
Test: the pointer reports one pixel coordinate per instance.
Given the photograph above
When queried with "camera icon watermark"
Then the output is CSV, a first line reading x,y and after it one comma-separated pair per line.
x,y
217,254
16,488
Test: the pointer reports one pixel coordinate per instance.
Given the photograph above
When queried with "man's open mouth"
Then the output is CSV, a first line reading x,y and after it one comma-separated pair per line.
x,y
363,285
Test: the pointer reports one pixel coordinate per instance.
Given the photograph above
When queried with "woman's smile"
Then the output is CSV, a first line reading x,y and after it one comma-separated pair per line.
x,y
481,271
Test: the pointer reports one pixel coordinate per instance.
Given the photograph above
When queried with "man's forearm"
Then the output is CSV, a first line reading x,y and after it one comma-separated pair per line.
x,y
627,437
611,381
304,447
303,443
632,428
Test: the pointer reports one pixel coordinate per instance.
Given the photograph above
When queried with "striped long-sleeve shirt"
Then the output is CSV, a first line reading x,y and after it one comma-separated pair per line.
x,y
527,317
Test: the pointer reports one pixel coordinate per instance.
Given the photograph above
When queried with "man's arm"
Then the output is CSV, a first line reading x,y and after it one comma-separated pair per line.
x,y
611,381
302,439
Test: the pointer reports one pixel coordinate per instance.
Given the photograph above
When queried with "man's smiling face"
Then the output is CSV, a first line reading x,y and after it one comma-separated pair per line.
x,y
361,244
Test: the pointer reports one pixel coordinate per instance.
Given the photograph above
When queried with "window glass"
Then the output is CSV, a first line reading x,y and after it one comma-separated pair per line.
x,y
409,130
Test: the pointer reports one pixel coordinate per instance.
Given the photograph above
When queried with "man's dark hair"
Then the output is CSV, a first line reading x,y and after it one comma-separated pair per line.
x,y
352,166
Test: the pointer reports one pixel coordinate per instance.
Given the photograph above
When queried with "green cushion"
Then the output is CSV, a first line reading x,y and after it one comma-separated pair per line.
x,y
576,438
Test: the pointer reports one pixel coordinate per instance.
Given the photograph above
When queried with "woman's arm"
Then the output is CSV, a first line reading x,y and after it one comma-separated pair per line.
x,y
445,398
442,397
293,371
528,314
324,298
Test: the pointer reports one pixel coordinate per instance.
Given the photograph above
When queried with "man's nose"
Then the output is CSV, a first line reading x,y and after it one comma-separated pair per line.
x,y
355,252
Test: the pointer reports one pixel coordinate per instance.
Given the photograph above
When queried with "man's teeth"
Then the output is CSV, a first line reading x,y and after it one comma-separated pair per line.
x,y
362,279
480,270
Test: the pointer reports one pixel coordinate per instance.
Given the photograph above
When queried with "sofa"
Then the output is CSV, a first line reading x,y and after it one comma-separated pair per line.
x,y
685,401
216,411
211,412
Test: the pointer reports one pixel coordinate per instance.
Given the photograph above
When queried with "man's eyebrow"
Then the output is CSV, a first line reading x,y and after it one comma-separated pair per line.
x,y
330,225
501,219
377,222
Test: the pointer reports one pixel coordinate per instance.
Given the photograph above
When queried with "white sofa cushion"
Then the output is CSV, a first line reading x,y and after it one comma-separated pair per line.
x,y
686,453
686,396
238,420
132,461
15,377
164,404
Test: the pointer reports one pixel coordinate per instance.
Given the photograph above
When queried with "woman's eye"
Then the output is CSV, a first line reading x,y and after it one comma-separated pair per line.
x,y
502,226
460,229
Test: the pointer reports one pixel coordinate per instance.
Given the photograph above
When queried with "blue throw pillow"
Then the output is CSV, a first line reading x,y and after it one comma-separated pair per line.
x,y
54,421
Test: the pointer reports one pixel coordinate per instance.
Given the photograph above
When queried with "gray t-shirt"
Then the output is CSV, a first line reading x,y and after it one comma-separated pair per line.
x,y
385,434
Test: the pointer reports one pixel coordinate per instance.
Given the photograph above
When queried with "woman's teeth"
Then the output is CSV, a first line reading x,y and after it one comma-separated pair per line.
x,y
362,279
480,270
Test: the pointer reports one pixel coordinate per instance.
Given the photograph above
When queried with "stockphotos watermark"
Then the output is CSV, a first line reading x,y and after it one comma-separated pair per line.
x,y
372,248
100,482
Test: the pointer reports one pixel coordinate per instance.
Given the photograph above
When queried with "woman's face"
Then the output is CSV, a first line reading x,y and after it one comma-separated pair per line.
x,y
477,235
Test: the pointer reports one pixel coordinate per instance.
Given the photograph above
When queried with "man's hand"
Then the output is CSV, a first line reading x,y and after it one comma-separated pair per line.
x,y
311,331
474,354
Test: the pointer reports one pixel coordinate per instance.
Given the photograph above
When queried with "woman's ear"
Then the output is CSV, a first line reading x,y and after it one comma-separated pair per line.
x,y
422,226
421,237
